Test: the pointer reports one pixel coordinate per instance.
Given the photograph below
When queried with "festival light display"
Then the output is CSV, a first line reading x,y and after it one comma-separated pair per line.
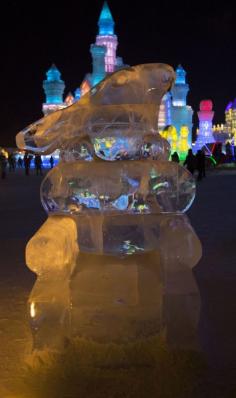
x,y
183,145
230,118
181,113
205,132
173,110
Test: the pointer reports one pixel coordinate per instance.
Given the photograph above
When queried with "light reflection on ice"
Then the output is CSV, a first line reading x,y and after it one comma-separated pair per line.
x,y
128,248
134,187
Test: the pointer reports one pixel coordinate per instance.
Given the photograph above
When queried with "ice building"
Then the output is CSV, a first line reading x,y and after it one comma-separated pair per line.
x,y
175,117
205,131
226,132
104,61
173,110
230,118
181,113
54,89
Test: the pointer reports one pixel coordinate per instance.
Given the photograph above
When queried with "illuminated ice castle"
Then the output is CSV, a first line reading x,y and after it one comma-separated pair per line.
x,y
230,117
205,131
226,132
174,109
104,61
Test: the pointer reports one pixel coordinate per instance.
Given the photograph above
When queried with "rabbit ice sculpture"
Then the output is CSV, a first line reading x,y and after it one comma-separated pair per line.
x,y
114,259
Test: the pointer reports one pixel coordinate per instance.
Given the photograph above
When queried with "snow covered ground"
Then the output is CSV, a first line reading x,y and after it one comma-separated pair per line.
x,y
212,215
21,214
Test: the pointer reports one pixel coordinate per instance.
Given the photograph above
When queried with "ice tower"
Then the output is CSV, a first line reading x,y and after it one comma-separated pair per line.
x,y
230,117
103,51
181,113
54,88
98,56
205,133
106,37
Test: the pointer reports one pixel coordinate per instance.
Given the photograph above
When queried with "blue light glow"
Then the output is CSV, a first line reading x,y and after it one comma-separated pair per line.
x,y
180,75
122,202
106,22
77,94
53,74
54,86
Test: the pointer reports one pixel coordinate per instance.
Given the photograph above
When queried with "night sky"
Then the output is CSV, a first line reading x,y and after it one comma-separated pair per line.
x,y
201,36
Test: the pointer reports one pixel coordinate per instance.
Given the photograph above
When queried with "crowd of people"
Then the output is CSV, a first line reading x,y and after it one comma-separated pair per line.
x,y
10,164
193,162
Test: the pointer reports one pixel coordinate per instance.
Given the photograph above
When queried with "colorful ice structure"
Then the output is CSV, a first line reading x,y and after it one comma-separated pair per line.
x,y
114,259
205,133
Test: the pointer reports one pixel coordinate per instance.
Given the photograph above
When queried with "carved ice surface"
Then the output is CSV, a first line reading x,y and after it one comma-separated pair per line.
x,y
124,105
133,187
114,258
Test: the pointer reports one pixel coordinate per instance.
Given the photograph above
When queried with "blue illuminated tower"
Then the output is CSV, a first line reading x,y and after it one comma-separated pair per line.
x,y
181,113
54,88
106,23
98,56
180,89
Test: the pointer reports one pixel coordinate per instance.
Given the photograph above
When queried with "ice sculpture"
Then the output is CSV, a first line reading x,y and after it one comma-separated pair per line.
x,y
114,259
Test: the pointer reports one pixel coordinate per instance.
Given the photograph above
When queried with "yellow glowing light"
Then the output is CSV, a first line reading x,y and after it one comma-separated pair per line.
x,y
4,152
32,310
183,141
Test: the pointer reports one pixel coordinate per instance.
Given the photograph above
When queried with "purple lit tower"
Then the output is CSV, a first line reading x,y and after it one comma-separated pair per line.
x,y
103,52
107,38
205,133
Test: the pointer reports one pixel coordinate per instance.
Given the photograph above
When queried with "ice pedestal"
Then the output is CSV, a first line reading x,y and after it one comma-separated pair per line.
x,y
139,284
114,259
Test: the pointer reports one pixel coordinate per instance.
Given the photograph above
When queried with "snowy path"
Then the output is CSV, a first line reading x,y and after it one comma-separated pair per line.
x,y
21,215
213,216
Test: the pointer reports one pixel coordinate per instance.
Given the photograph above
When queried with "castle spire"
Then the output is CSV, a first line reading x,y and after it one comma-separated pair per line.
x,y
107,38
54,88
180,89
106,22
180,75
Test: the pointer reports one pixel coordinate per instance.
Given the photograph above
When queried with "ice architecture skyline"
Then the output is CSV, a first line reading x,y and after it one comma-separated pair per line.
x,y
126,99
114,258
174,109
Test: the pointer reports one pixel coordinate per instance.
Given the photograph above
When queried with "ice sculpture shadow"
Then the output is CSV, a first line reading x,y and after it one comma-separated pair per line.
x,y
114,259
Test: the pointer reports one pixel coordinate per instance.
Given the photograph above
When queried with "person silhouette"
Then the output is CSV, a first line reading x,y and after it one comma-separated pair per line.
x,y
3,165
200,164
38,165
175,157
51,161
27,160
190,161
